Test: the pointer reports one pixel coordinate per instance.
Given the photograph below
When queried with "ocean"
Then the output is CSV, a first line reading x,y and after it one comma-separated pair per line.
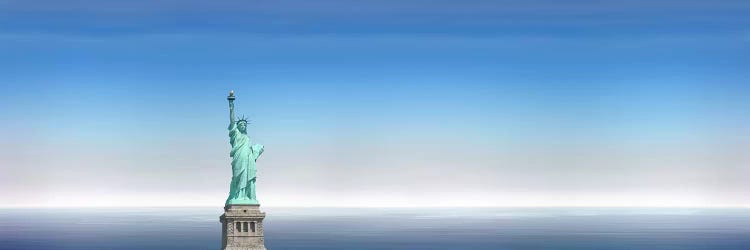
x,y
386,228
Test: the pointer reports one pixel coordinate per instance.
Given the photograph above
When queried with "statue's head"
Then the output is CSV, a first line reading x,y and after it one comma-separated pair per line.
x,y
242,125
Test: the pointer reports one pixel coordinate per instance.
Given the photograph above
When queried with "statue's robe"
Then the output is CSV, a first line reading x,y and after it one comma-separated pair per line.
x,y
244,154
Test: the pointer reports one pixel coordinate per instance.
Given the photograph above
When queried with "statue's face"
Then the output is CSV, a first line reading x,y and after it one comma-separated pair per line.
x,y
242,126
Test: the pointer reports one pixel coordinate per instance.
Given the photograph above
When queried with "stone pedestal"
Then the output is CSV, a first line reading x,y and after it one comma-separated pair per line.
x,y
242,228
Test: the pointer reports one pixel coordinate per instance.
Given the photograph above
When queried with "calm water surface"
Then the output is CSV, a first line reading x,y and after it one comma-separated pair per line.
x,y
338,228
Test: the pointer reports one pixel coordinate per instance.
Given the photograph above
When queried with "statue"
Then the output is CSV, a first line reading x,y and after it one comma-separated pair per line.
x,y
244,155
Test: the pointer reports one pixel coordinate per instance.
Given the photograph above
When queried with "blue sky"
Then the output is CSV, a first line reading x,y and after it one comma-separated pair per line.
x,y
495,103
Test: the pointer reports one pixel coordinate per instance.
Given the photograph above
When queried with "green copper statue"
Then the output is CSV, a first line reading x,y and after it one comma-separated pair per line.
x,y
244,155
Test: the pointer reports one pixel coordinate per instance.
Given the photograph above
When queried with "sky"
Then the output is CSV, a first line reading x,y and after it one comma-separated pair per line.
x,y
377,103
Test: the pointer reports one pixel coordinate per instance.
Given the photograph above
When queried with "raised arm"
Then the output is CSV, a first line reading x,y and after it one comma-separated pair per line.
x,y
231,109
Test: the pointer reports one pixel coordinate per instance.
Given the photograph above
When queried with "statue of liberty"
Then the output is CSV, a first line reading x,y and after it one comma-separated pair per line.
x,y
244,155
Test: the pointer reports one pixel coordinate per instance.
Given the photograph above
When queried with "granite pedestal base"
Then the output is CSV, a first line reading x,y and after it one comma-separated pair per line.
x,y
242,228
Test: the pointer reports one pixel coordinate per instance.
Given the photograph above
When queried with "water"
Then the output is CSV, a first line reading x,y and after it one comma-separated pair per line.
x,y
363,229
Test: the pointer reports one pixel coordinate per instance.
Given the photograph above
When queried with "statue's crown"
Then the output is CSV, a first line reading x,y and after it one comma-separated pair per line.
x,y
243,119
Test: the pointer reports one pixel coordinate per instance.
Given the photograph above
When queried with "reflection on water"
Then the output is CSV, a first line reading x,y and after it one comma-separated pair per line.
x,y
347,228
